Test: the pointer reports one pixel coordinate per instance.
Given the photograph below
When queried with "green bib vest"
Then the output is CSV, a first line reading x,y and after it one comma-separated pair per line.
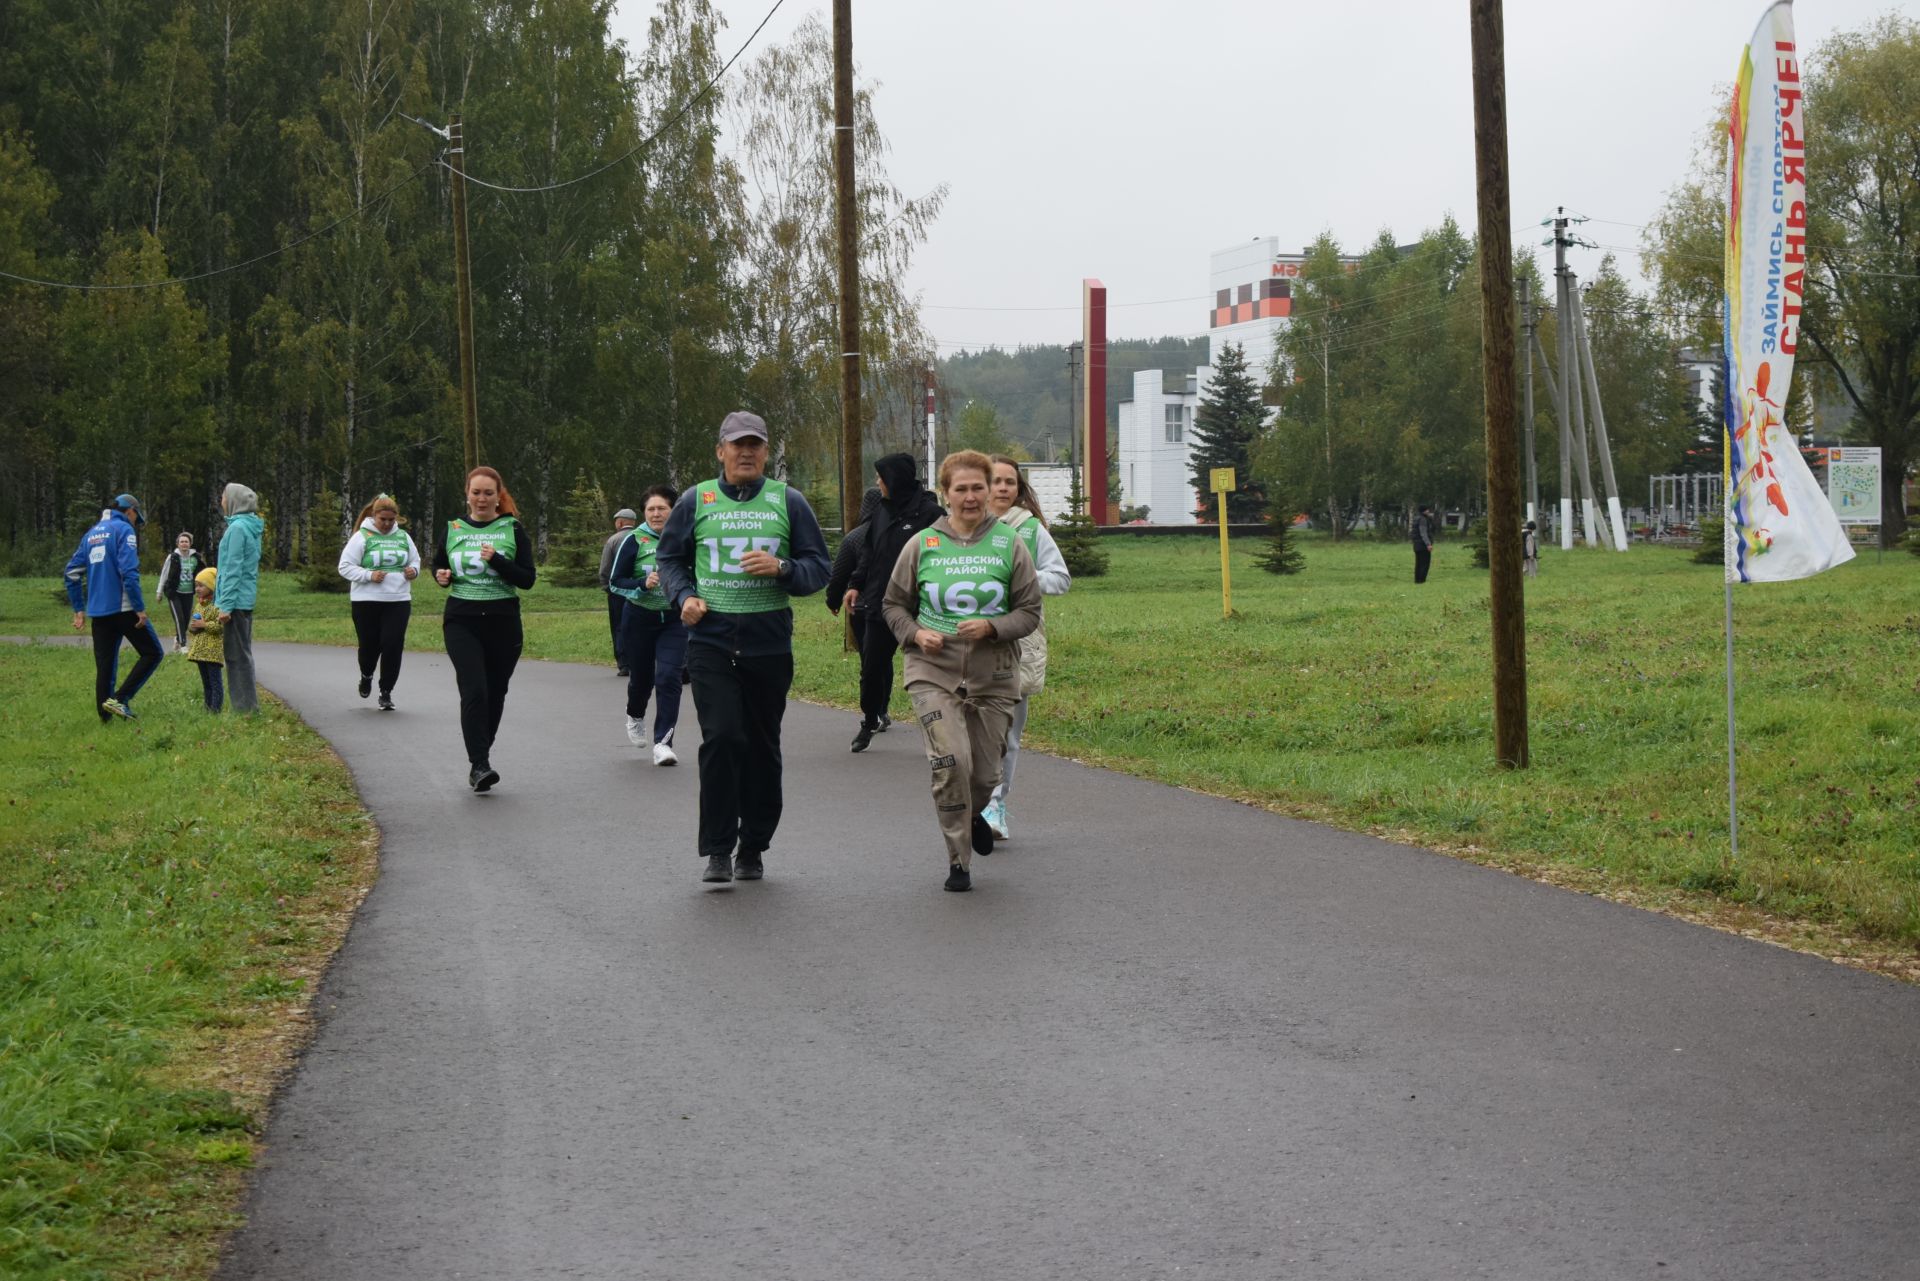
x,y
958,583
473,577
646,559
189,566
724,531
384,551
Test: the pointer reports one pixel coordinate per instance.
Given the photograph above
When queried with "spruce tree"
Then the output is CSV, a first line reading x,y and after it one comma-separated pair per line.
x,y
1280,556
1225,425
1079,538
574,557
320,550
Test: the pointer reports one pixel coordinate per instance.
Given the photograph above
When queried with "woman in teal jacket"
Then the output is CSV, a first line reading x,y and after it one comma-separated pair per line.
x,y
234,594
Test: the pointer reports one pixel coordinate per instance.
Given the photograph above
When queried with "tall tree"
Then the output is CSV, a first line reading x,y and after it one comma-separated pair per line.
x,y
1226,425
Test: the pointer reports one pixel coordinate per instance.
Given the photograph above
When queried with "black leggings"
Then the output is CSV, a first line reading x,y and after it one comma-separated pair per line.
x,y
108,632
485,648
381,626
182,606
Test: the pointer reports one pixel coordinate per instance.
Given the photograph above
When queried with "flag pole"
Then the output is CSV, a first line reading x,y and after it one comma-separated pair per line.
x,y
1733,782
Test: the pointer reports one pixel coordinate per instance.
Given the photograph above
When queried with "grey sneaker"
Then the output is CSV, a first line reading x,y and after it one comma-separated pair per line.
x,y
719,868
748,867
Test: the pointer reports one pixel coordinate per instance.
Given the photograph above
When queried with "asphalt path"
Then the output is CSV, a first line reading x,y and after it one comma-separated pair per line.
x,y
1165,1036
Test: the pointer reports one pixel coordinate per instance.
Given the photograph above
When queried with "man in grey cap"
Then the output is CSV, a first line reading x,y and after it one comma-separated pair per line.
x,y
623,520
103,584
735,549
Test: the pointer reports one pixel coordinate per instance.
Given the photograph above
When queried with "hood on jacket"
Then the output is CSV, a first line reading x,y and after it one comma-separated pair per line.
x,y
237,498
902,484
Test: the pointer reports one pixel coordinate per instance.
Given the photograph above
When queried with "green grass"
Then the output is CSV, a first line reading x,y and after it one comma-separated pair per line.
x,y
1347,695
168,891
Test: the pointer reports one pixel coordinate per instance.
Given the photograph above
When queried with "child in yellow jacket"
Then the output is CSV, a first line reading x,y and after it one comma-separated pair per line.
x,y
205,649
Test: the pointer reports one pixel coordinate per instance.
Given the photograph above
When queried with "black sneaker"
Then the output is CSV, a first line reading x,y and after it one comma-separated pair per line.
x,y
622,673
959,881
482,778
719,868
386,701
886,722
366,686
982,835
748,867
864,735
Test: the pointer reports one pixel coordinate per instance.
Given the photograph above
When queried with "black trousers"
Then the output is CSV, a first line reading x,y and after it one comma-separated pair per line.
x,y
108,632
877,648
655,643
485,648
209,684
381,626
182,606
740,702
616,613
1422,558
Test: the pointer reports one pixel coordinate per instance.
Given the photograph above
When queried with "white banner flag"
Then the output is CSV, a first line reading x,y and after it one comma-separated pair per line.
x,y
1778,524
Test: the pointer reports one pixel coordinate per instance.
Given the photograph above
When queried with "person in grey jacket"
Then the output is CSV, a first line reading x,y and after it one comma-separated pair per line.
x,y
961,596
623,520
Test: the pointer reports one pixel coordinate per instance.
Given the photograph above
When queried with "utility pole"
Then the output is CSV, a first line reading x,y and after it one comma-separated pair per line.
x,y
1617,519
1507,595
1563,333
1326,418
1073,412
847,216
930,426
1529,320
463,282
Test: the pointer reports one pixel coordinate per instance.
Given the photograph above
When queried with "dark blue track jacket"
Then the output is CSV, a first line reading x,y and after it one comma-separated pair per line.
x,y
103,578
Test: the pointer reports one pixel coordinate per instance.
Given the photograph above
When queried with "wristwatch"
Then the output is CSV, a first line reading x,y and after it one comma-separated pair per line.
x,y
782,571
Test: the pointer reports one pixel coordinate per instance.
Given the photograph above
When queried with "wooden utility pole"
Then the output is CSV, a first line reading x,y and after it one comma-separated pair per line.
x,y
463,281
1498,365
847,217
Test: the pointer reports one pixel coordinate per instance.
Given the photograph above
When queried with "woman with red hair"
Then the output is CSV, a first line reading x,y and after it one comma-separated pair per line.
x,y
485,560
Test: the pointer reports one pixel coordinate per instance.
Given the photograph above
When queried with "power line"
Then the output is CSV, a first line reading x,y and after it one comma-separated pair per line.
x,y
645,142
230,267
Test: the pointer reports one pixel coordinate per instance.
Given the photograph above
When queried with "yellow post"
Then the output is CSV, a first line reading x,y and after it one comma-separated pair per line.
x,y
1221,479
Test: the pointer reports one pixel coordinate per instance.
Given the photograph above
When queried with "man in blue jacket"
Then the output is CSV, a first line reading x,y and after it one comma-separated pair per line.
x,y
103,582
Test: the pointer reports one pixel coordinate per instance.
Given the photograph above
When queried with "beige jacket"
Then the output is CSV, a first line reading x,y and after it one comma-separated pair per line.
x,y
983,667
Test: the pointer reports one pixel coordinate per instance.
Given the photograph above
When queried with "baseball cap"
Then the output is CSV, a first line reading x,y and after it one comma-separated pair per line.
x,y
626,513
740,424
124,501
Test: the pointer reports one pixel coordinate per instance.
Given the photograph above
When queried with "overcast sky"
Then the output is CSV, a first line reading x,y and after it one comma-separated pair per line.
x,y
1128,139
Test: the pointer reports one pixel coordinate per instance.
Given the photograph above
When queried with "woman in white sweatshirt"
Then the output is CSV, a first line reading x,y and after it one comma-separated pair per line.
x,y
1012,499
381,562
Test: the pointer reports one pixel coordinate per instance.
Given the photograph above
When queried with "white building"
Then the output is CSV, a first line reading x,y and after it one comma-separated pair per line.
x,y
1053,486
1155,432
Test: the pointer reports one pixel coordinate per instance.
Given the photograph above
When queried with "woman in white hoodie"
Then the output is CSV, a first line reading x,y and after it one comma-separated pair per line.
x,y
381,562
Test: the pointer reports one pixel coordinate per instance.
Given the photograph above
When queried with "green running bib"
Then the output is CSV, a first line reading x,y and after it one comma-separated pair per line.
x,y
384,551
724,531
957,583
473,577
646,559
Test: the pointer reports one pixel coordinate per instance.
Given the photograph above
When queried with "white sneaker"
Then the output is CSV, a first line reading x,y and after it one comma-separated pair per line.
x,y
636,731
663,754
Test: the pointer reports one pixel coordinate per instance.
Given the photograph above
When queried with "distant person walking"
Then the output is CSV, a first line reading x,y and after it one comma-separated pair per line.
x,y
381,562
1017,506
103,585
237,591
623,521
961,596
205,650
176,585
652,636
1423,529
485,560
849,569
1530,550
735,550
906,508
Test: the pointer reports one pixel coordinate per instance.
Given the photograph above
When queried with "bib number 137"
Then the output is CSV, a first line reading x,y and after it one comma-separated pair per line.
x,y
724,554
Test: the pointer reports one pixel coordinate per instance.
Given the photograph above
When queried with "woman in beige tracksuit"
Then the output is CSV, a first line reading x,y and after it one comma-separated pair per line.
x,y
961,596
